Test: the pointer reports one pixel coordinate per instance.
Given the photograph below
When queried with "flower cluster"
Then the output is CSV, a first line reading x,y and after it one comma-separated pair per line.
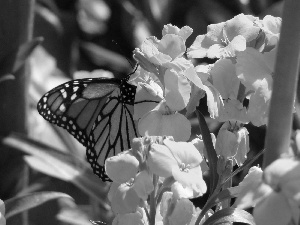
x,y
168,76
238,85
246,48
151,169
154,180
276,189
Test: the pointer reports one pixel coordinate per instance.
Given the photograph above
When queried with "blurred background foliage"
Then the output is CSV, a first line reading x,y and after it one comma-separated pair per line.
x,y
88,35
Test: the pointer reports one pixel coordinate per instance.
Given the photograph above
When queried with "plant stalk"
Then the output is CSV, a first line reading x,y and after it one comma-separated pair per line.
x,y
285,84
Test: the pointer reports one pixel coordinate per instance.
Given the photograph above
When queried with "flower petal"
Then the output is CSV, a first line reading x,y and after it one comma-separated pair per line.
x,y
122,167
125,200
253,66
143,184
191,179
147,94
184,152
241,25
161,160
155,123
137,218
177,90
224,78
281,172
172,45
273,210
183,212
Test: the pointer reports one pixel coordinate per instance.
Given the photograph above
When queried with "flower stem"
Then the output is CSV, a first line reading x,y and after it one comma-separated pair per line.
x,y
228,182
153,201
285,84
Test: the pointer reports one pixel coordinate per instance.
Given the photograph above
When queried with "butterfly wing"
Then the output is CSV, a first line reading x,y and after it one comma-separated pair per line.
x,y
113,130
76,104
98,112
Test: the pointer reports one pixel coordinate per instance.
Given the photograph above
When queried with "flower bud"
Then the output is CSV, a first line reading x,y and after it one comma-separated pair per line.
x,y
144,62
124,199
233,142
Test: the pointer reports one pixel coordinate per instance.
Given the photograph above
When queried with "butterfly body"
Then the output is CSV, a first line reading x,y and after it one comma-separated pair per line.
x,y
98,112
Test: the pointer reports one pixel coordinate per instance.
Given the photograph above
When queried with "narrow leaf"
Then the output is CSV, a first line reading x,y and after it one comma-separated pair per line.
x,y
66,167
73,216
223,195
77,216
24,51
20,204
246,164
230,215
103,57
211,153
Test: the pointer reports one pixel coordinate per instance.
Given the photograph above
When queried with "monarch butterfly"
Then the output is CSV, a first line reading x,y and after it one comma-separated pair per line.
x,y
98,112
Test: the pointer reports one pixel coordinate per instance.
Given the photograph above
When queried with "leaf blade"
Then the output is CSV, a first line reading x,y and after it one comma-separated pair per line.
x,y
20,204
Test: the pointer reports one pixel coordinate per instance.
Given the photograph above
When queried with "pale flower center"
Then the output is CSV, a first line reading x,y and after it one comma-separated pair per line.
x,y
184,168
130,182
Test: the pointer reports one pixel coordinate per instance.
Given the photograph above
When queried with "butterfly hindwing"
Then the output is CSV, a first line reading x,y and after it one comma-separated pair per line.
x,y
113,130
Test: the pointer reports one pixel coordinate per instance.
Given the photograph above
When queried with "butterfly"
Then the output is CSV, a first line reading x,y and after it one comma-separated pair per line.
x,y
98,112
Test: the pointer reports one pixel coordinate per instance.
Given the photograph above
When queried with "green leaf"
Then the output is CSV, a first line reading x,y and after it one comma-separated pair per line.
x,y
211,153
103,57
7,77
60,165
16,58
217,198
20,204
230,215
73,216
223,195
24,51
246,164
49,12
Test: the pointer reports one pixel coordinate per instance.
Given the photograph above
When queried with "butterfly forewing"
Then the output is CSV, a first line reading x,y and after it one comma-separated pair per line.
x,y
75,105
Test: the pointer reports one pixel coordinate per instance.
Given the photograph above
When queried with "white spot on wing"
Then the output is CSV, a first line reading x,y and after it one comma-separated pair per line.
x,y
62,108
73,96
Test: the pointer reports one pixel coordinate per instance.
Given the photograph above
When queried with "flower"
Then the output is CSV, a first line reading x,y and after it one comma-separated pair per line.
x,y
225,39
255,71
222,88
182,213
137,218
162,121
224,79
180,160
276,195
149,92
233,142
253,178
175,210
270,26
143,184
184,32
123,198
122,167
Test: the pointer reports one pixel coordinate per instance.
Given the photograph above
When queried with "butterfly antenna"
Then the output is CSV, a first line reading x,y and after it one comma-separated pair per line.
x,y
135,69
123,53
